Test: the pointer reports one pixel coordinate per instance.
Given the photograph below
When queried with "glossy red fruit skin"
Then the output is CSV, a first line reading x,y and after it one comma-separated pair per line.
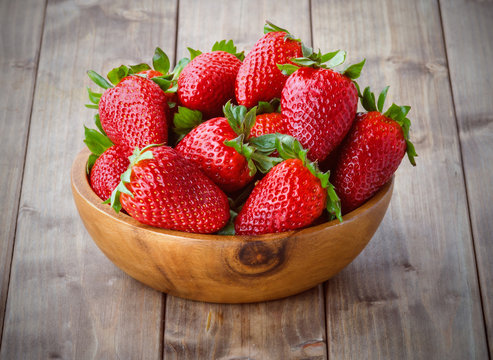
x,y
204,146
289,197
368,158
170,97
208,82
171,193
259,79
134,113
269,123
106,171
319,106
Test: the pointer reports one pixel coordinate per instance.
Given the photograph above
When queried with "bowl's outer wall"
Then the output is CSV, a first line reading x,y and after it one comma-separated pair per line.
x,y
226,269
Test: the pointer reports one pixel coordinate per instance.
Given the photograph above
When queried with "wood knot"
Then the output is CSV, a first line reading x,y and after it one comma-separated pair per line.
x,y
255,258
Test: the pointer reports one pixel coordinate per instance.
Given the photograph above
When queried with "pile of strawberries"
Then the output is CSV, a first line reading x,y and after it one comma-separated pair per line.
x,y
230,144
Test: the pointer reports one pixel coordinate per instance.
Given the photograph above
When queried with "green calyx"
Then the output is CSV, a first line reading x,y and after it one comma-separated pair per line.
x,y
290,148
272,106
160,61
137,156
96,141
270,27
185,120
229,47
257,150
394,112
318,60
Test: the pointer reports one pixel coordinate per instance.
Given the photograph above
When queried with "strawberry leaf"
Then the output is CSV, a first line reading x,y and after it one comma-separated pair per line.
x,y
272,106
354,71
96,142
179,68
193,53
287,69
160,61
228,47
333,59
368,100
381,99
135,69
239,119
99,80
185,120
270,27
91,106
172,89
163,82
117,74
97,121
304,62
411,152
90,163
93,96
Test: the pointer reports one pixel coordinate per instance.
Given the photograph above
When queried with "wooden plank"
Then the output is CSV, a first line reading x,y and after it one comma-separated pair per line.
x,y
289,328
413,293
19,49
467,27
66,300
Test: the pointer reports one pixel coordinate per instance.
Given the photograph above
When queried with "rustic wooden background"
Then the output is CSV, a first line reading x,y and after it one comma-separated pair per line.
x,y
421,290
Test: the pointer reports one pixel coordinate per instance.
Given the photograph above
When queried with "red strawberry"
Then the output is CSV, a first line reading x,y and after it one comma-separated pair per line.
x,y
161,188
292,195
219,148
208,81
259,79
133,113
372,151
106,172
269,123
319,104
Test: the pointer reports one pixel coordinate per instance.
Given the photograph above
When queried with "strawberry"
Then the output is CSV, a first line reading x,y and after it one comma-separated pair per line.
x,y
372,151
208,81
107,161
139,99
319,104
292,195
161,188
259,79
222,149
268,120
107,169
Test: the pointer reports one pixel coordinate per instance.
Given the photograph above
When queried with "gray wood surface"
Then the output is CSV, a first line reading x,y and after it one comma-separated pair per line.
x,y
468,26
19,48
413,293
66,300
292,328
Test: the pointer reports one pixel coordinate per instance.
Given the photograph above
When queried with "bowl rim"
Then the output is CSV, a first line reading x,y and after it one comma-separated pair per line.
x,y
81,186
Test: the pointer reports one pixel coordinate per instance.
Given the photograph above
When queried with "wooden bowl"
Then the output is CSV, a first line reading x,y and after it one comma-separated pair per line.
x,y
226,269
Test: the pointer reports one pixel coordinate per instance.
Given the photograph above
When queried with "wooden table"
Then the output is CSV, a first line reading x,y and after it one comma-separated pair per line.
x,y
420,290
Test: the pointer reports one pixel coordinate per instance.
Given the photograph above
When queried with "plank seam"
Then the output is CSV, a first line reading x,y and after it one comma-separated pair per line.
x,y
485,328
33,91
162,348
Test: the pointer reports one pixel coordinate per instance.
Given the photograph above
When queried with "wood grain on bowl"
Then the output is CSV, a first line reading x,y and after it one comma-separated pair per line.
x,y
226,269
